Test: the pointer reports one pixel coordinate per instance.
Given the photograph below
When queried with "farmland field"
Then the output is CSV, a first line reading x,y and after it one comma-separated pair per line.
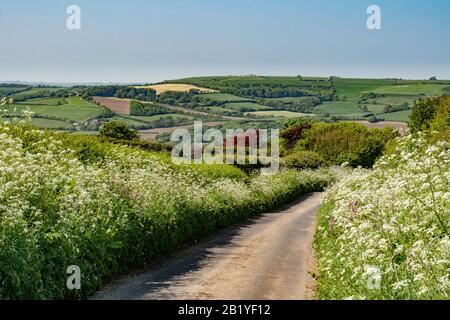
x,y
161,116
289,99
384,124
120,106
9,90
397,116
340,107
352,88
245,106
282,114
375,108
181,87
75,109
45,101
37,92
394,99
51,124
417,89
225,97
218,110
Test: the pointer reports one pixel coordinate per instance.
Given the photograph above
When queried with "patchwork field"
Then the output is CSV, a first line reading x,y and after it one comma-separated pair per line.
x,y
116,105
218,110
385,124
341,108
178,87
9,90
225,97
46,101
280,114
416,89
264,99
51,123
397,116
245,106
75,109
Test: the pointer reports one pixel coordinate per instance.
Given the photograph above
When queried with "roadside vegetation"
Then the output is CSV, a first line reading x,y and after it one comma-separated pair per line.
x,y
384,233
107,207
309,143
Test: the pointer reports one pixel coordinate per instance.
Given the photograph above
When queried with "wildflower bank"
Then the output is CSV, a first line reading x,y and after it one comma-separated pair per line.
x,y
68,200
384,233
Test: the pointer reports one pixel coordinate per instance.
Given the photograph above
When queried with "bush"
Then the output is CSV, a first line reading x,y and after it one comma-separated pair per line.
x,y
117,130
304,160
373,119
343,142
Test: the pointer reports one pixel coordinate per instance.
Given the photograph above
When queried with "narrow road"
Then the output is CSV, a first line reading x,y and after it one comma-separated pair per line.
x,y
264,258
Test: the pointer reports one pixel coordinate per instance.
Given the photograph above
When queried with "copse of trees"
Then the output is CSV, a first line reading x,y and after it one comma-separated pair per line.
x,y
145,109
118,130
307,104
145,94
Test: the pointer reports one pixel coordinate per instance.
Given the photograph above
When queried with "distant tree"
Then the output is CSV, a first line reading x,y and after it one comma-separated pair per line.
x,y
373,118
422,113
433,78
118,130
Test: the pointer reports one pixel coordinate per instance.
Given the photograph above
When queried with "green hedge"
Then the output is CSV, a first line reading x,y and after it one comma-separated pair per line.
x,y
107,208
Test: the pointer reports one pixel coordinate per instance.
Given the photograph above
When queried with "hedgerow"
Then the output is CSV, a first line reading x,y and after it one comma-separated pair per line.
x,y
70,200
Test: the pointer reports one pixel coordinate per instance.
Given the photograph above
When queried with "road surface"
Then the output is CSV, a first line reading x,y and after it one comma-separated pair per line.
x,y
264,258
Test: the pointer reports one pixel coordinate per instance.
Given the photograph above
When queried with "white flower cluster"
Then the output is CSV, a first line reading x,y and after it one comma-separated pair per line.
x,y
395,217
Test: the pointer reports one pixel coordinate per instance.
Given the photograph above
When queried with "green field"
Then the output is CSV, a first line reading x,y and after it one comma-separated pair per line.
x,y
416,89
162,116
353,88
225,97
46,101
75,109
127,120
143,122
217,110
245,106
8,90
281,114
340,107
288,99
37,91
51,124
375,108
394,100
401,116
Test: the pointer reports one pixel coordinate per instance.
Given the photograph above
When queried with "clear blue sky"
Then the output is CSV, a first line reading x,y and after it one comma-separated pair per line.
x,y
147,41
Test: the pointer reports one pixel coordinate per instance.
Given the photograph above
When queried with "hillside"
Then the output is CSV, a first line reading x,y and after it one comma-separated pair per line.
x,y
233,99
